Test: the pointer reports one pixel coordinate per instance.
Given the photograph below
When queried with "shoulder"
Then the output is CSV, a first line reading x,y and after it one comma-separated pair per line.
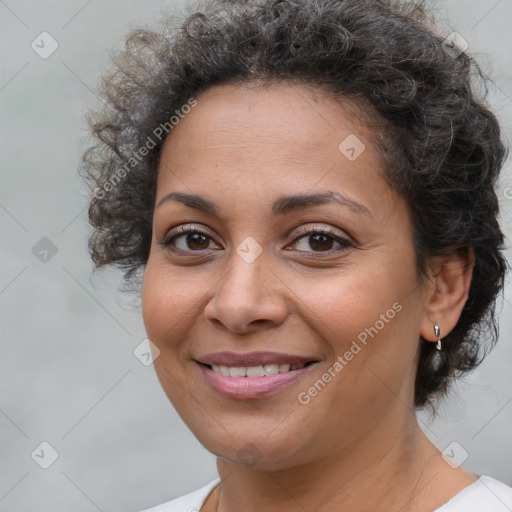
x,y
483,495
191,502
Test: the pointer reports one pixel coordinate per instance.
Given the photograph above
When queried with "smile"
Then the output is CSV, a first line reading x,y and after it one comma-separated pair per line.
x,y
252,375
255,371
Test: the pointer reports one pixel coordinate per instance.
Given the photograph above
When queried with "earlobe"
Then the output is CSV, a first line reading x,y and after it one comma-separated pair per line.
x,y
447,293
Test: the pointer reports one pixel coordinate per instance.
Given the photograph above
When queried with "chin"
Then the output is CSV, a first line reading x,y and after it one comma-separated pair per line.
x,y
251,448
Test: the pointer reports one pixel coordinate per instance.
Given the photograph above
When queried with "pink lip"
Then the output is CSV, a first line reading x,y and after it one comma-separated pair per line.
x,y
235,359
243,388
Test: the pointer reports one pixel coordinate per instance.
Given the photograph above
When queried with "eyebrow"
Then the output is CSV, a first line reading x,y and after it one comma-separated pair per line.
x,y
281,206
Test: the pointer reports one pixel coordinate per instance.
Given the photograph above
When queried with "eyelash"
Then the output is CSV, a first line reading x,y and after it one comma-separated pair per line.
x,y
301,233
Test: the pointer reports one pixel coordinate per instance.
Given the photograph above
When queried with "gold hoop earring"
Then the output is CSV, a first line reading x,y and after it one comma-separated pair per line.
x,y
437,332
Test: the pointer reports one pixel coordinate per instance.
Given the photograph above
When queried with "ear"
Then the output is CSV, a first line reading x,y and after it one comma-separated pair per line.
x,y
446,292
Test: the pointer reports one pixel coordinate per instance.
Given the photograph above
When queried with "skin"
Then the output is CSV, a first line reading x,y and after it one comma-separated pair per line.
x,y
357,444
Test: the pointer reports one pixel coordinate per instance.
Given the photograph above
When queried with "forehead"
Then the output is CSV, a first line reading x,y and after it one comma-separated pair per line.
x,y
269,139
294,120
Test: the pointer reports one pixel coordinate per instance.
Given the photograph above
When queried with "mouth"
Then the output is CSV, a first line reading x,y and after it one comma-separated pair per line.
x,y
252,375
256,371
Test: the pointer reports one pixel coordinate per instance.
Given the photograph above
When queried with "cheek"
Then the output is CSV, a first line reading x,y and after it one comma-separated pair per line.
x,y
369,315
369,320
167,299
353,302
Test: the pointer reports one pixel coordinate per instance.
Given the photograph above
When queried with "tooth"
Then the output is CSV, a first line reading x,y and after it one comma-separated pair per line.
x,y
271,369
237,372
255,371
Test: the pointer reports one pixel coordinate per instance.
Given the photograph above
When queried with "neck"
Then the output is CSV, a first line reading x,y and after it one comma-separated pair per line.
x,y
391,467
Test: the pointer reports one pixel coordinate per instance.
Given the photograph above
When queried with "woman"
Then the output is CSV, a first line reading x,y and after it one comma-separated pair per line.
x,y
308,187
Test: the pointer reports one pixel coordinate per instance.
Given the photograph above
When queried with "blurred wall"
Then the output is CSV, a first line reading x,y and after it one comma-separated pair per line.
x,y
69,376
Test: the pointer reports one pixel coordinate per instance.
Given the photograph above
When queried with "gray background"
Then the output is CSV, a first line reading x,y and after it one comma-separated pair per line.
x,y
68,373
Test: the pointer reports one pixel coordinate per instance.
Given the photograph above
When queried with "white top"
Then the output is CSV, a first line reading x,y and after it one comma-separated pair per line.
x,y
484,495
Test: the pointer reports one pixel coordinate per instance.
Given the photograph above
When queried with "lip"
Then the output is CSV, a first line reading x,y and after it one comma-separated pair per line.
x,y
235,359
247,388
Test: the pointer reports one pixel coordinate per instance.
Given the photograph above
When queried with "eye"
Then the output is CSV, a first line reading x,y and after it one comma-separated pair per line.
x,y
193,239
320,240
187,239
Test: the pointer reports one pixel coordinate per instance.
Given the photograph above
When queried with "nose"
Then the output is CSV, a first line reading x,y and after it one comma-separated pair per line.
x,y
249,297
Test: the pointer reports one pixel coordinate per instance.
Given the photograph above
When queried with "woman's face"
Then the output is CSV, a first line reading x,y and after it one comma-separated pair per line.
x,y
271,281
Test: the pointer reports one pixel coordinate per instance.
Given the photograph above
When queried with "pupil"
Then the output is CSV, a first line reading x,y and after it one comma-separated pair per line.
x,y
197,239
324,242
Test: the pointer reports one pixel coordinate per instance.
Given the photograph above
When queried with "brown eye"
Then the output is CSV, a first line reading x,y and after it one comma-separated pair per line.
x,y
196,241
320,241
188,240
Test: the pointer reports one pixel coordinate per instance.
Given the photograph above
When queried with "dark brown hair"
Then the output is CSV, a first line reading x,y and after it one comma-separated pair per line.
x,y
442,144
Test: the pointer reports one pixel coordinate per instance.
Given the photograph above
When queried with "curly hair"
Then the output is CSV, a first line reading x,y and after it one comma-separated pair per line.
x,y
442,146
